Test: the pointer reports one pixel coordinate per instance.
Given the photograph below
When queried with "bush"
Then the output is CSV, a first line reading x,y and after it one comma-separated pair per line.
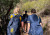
x,y
38,5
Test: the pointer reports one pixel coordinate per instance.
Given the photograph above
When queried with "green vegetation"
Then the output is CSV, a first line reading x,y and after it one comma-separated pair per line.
x,y
6,6
45,27
38,5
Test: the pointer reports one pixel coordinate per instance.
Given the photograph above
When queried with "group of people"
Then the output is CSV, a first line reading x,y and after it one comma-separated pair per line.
x,y
30,24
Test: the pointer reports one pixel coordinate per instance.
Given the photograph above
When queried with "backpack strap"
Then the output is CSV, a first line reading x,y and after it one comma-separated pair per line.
x,y
20,18
31,18
11,16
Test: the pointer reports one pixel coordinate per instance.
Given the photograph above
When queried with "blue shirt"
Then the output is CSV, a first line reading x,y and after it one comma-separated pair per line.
x,y
34,20
34,23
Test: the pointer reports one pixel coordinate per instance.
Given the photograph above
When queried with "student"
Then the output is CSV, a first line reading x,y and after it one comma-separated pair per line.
x,y
34,27
25,17
13,27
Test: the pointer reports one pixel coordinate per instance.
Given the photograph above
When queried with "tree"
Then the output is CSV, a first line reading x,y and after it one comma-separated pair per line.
x,y
5,7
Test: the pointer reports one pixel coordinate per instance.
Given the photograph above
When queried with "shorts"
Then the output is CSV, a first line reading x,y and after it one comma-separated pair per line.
x,y
25,22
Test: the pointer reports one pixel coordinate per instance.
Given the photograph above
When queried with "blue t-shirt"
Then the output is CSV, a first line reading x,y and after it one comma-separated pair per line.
x,y
35,27
34,20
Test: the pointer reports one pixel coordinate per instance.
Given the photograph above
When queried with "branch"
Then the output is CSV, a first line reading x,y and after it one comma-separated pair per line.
x,y
11,6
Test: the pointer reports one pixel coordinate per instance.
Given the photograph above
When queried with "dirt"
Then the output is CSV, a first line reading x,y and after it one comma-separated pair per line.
x,y
47,31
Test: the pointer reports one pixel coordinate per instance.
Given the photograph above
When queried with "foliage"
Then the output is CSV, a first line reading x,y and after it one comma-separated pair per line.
x,y
5,7
38,5
6,4
23,1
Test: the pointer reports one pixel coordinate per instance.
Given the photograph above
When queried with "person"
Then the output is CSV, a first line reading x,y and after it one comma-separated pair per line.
x,y
13,27
34,24
25,17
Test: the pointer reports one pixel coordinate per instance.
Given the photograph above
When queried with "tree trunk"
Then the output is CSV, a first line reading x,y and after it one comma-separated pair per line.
x,y
5,19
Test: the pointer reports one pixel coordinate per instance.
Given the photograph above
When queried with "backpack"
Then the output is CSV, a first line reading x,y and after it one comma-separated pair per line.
x,y
16,19
14,23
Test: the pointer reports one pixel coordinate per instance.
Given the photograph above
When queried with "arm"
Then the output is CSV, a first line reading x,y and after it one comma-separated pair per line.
x,y
41,24
28,21
40,21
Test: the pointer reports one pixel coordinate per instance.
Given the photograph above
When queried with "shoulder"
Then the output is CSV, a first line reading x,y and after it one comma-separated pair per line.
x,y
34,15
23,14
19,15
39,17
11,15
29,16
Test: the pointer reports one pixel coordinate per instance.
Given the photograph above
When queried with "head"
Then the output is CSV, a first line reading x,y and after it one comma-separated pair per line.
x,y
33,11
25,12
16,10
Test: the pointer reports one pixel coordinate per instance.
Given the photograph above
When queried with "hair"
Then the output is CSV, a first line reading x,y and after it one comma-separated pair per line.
x,y
16,9
33,11
25,11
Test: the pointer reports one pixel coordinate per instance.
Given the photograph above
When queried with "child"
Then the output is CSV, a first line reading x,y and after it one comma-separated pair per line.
x,y
13,27
25,17
34,27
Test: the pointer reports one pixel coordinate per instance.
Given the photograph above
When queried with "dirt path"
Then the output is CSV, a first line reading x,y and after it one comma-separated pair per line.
x,y
47,32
